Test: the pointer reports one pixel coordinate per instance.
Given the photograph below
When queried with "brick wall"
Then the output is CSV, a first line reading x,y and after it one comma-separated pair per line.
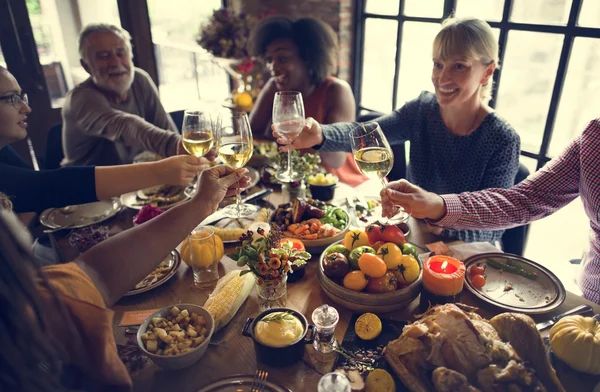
x,y
338,13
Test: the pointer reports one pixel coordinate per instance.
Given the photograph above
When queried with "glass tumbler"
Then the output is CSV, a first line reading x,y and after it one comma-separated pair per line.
x,y
203,256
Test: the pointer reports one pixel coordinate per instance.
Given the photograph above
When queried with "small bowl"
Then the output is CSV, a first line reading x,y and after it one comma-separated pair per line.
x,y
183,360
323,192
279,356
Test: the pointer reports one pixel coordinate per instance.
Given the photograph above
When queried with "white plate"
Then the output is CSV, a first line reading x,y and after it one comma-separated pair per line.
x,y
81,215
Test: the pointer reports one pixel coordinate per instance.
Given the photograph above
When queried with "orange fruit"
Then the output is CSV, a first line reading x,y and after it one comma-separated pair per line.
x,y
243,100
372,265
185,249
355,280
368,326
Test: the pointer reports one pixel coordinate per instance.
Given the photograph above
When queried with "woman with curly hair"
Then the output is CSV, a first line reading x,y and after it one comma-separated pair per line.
x,y
302,56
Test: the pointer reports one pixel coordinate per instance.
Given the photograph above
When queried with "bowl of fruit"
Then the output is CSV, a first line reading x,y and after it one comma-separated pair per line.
x,y
375,270
322,186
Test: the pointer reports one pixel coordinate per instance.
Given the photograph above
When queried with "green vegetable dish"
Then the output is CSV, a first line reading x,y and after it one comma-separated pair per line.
x,y
335,216
512,267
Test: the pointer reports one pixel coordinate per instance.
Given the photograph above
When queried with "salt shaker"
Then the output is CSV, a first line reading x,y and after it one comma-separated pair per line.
x,y
334,382
325,319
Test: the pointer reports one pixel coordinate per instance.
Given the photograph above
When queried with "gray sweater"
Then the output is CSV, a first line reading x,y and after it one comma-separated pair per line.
x,y
99,132
441,162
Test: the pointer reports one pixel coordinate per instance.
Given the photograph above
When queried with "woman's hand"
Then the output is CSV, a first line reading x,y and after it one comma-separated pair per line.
x,y
179,169
311,135
421,203
218,182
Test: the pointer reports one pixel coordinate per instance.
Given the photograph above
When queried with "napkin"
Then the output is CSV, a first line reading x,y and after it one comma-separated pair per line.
x,y
466,250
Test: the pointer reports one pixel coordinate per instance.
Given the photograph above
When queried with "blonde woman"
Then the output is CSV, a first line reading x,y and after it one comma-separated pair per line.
x,y
457,142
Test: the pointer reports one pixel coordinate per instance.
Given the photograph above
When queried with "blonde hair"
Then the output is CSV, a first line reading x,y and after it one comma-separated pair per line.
x,y
469,37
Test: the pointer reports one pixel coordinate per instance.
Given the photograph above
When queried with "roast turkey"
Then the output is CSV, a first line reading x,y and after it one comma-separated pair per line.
x,y
451,349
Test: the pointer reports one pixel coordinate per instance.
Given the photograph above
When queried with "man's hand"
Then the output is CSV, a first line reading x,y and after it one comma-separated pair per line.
x,y
179,169
311,135
419,202
218,182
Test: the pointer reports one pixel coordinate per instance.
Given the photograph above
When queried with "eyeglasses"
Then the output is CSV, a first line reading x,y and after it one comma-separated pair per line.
x,y
17,100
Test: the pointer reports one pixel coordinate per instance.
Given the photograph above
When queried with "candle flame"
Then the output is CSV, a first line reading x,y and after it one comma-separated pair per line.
x,y
444,265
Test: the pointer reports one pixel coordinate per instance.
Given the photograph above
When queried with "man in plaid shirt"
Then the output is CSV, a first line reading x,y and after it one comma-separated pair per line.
x,y
575,172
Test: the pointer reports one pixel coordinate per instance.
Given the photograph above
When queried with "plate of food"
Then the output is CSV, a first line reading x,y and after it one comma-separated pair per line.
x,y
238,383
317,224
230,230
81,215
162,273
514,283
162,196
452,348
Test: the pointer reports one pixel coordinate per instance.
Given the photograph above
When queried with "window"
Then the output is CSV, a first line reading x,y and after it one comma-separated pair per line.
x,y
187,73
549,55
56,26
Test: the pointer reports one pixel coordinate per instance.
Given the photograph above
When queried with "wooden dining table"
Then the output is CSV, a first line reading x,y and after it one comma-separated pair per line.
x,y
237,356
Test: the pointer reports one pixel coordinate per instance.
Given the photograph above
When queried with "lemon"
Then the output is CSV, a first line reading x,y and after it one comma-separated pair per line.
x,y
368,326
380,381
243,100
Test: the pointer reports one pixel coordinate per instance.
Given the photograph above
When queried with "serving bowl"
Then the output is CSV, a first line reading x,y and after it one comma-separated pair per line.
x,y
279,356
182,360
369,302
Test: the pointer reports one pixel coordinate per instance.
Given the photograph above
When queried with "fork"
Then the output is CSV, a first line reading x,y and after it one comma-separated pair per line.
x,y
258,383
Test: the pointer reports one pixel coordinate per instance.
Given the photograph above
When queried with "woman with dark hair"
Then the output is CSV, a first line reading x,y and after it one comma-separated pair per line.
x,y
31,190
302,56
56,321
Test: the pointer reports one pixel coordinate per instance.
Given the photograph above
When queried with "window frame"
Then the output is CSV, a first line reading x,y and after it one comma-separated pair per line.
x,y
570,31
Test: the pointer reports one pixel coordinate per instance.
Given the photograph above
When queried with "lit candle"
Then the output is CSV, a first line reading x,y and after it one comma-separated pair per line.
x,y
443,280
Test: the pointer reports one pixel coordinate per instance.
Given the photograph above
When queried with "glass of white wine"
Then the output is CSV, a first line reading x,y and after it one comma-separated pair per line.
x,y
197,133
288,119
374,156
234,147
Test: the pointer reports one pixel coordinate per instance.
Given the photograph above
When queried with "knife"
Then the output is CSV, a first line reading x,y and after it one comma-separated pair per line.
x,y
217,216
581,309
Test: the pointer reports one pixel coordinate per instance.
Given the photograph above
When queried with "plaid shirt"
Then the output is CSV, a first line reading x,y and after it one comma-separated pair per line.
x,y
575,172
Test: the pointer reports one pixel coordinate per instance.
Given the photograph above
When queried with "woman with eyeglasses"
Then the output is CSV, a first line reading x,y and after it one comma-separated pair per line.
x,y
31,190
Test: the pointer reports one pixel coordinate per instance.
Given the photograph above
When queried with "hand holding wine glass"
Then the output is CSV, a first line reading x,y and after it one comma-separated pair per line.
x,y
197,131
372,153
288,120
234,147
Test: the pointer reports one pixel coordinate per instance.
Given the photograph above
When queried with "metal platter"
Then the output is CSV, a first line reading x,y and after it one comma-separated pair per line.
x,y
512,291
166,270
81,215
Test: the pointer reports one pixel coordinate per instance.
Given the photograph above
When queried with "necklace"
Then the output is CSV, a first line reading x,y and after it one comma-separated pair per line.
x,y
472,127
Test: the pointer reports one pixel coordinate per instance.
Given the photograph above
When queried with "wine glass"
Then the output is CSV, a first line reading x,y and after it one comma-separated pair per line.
x,y
234,147
288,119
197,132
373,155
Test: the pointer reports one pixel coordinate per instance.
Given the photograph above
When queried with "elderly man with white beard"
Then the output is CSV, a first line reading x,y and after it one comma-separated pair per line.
x,y
115,113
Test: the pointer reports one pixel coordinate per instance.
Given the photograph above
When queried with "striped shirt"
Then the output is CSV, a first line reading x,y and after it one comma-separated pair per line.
x,y
575,172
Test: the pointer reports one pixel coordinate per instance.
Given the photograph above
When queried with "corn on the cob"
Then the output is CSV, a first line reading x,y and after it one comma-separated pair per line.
x,y
227,297
263,215
229,234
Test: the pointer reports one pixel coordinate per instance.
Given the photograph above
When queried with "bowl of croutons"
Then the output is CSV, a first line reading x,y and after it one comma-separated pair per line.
x,y
177,336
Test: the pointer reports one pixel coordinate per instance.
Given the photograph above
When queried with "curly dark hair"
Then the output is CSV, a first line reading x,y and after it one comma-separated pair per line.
x,y
316,41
